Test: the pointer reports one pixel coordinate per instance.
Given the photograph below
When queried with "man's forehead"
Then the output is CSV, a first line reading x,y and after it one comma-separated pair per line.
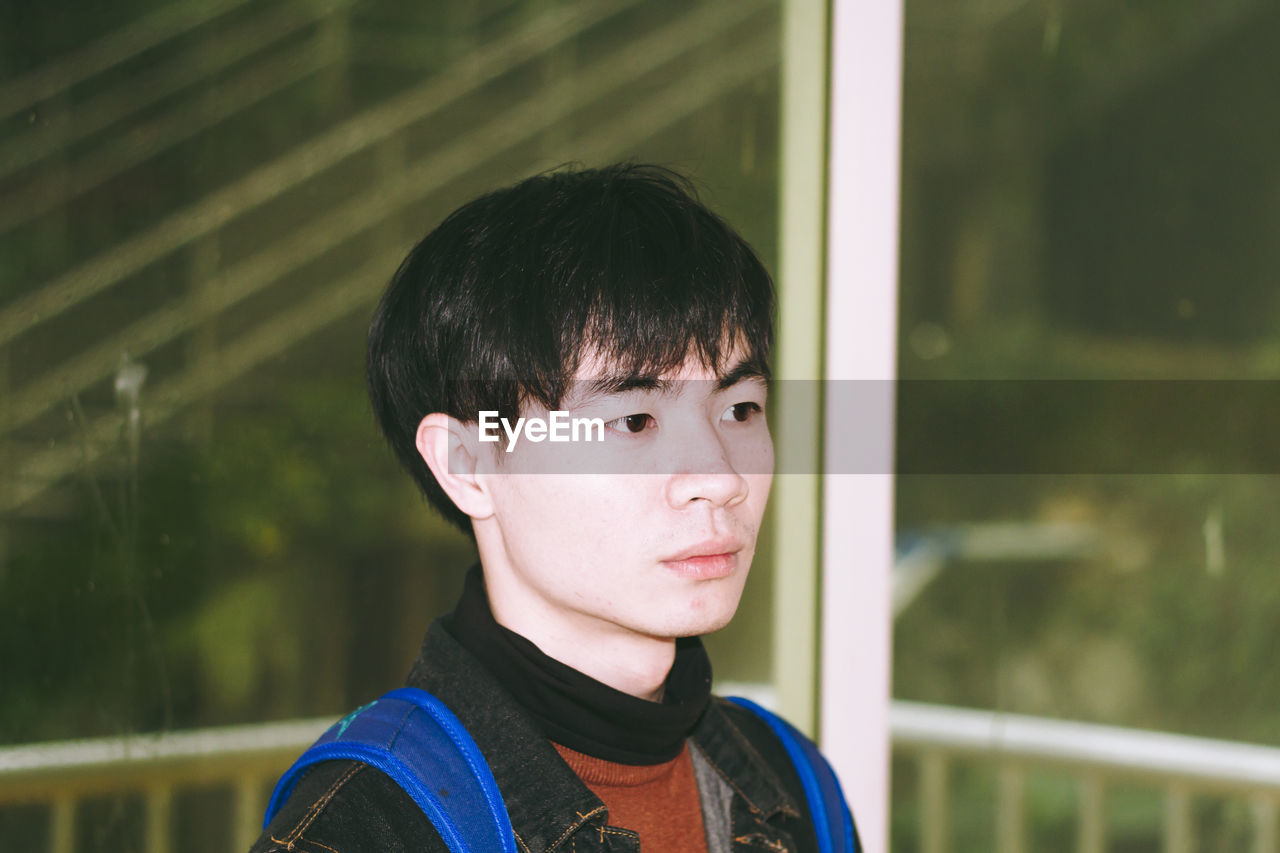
x,y
603,363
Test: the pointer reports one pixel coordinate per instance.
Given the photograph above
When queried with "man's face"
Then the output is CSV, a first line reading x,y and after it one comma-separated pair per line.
x,y
648,532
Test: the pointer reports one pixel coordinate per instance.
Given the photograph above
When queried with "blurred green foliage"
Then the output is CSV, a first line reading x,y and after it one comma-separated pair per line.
x,y
216,615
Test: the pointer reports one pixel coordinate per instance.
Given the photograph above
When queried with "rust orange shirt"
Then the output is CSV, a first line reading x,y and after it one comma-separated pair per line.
x,y
657,801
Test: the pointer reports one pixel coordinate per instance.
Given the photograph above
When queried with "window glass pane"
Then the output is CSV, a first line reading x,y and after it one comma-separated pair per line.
x,y
1089,330
199,524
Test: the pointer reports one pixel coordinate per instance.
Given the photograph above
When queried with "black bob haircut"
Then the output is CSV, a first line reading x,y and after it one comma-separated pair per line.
x,y
497,306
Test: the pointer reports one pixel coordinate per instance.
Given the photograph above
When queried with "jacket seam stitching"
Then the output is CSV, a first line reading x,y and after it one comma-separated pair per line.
x,y
572,829
318,806
319,844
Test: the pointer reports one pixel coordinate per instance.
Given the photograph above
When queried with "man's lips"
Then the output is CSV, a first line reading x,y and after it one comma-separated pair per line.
x,y
716,558
706,548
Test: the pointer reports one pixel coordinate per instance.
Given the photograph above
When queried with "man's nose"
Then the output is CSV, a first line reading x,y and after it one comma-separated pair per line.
x,y
703,471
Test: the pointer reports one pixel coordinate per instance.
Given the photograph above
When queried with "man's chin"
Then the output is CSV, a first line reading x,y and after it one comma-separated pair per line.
x,y
705,621
712,626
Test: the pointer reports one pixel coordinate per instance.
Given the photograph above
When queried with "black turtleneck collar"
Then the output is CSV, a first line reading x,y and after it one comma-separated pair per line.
x,y
575,710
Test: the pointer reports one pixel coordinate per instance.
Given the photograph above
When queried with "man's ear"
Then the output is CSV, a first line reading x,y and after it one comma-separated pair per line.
x,y
450,450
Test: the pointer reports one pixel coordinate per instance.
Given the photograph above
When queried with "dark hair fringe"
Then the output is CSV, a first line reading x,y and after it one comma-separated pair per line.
x,y
499,305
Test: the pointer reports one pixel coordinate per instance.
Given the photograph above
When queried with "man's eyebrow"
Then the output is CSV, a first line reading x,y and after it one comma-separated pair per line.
x,y
608,385
742,372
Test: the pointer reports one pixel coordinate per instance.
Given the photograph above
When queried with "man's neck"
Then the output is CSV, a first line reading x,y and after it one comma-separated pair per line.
x,y
633,663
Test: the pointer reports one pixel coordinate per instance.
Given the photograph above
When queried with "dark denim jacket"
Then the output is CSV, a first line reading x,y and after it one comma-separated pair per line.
x,y
751,796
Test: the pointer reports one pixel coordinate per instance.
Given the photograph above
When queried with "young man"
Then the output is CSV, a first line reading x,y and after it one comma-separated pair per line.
x,y
630,328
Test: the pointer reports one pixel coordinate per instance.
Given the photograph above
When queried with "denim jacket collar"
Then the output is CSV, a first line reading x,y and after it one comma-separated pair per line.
x,y
741,765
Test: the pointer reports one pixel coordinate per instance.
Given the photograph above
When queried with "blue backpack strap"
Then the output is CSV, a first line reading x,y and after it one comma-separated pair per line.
x,y
412,737
832,821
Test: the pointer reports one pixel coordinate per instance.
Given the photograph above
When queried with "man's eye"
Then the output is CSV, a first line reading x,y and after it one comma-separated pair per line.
x,y
633,423
741,412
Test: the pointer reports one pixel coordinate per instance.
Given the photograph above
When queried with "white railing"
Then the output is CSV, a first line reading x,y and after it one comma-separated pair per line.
x,y
1178,766
247,759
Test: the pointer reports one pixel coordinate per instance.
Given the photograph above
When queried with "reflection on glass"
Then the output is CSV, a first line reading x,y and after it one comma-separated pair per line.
x,y
202,201
1088,194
